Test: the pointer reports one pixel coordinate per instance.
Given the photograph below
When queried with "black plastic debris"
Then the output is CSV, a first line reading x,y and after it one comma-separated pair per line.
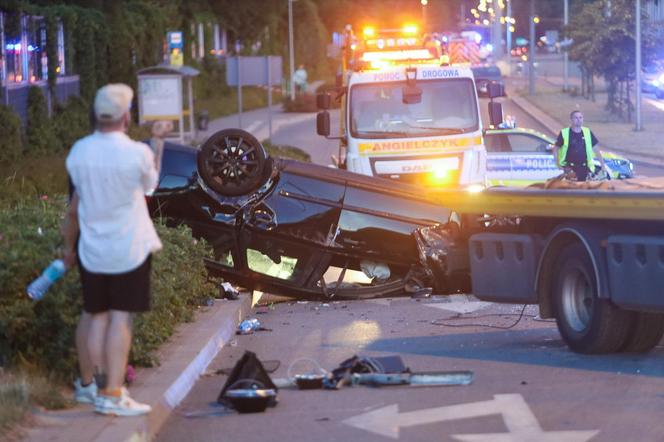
x,y
248,388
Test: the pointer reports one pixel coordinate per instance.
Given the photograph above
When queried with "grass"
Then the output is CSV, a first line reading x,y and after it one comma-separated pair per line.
x,y
226,104
20,393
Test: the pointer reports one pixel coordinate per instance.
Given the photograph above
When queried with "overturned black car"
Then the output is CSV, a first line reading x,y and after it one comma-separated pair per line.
x,y
301,229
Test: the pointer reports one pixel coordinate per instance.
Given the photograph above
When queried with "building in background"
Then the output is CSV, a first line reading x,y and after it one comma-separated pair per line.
x,y
24,61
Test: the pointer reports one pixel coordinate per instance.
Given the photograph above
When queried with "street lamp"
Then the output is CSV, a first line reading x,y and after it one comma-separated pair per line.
x,y
531,52
424,4
290,49
565,51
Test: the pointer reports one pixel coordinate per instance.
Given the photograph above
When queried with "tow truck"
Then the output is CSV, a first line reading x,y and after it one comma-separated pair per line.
x,y
406,114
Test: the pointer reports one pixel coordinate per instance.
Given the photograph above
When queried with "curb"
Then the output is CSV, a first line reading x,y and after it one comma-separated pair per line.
x,y
183,359
202,342
554,127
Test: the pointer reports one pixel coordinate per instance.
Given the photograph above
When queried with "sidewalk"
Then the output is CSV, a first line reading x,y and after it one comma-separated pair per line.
x,y
182,360
551,107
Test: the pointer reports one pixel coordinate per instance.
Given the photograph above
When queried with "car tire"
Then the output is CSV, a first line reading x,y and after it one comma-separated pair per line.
x,y
646,332
587,323
232,162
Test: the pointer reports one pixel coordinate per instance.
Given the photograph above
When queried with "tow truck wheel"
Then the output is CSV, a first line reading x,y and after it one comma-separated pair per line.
x,y
231,162
647,331
586,323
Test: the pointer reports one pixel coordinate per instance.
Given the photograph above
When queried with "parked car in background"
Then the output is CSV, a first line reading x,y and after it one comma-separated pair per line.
x,y
520,156
293,228
652,79
485,74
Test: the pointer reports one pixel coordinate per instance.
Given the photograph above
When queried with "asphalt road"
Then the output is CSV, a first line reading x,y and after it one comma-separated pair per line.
x,y
527,385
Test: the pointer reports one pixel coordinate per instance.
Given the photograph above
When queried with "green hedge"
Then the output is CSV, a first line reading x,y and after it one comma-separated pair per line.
x,y
11,142
40,335
302,103
40,130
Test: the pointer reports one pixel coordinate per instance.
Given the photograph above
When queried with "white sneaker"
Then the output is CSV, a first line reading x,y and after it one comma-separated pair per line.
x,y
85,395
120,406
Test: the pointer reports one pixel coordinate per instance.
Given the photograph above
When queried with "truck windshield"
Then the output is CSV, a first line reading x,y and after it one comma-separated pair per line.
x,y
448,107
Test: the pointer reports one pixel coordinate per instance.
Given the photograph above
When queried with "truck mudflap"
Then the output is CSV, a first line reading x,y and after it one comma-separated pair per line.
x,y
636,271
503,266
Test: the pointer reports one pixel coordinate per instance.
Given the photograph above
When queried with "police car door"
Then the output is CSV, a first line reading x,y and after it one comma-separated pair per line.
x,y
531,159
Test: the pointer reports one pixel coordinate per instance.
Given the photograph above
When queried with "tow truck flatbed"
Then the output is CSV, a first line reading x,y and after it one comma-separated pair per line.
x,y
637,204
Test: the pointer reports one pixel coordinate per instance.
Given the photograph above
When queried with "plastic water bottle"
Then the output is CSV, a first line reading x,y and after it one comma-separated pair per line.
x,y
248,326
52,273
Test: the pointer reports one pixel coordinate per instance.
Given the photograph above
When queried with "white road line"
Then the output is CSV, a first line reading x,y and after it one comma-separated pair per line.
x,y
460,306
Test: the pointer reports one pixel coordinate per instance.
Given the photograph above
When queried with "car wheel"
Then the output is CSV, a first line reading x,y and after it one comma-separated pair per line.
x,y
231,162
646,332
586,323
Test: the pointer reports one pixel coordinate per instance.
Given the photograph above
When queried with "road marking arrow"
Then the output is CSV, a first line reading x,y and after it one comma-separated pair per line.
x,y
520,421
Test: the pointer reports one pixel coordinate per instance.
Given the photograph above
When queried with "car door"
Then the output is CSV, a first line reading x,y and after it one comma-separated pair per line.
x,y
284,236
498,168
531,159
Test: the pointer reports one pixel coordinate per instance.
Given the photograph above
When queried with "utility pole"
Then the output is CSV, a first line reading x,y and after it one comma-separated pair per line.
x,y
638,66
497,32
425,24
565,51
508,35
531,52
290,49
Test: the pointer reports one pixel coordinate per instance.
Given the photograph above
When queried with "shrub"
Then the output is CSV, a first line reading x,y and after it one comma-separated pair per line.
x,y
335,99
11,142
40,131
71,121
40,335
302,103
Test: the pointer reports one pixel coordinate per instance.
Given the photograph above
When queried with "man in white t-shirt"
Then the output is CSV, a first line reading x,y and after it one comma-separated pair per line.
x,y
110,174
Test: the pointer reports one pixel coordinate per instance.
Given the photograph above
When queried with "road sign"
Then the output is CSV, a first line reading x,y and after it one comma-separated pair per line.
x,y
521,423
253,71
175,48
160,97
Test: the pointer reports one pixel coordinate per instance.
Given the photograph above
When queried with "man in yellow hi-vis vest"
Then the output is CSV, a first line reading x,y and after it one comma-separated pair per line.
x,y
576,147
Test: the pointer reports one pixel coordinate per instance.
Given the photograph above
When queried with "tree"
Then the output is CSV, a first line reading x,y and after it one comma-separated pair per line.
x,y
604,41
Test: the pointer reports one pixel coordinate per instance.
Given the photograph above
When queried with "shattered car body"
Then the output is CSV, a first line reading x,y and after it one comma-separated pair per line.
x,y
300,229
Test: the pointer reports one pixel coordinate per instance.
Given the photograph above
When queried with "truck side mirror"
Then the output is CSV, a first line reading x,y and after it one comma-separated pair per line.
x,y
495,114
323,123
323,100
411,94
495,89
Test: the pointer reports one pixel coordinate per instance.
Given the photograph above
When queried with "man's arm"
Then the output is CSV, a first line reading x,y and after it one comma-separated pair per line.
x,y
69,230
598,155
556,149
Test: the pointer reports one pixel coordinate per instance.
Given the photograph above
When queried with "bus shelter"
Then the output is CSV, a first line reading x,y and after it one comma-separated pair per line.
x,y
161,96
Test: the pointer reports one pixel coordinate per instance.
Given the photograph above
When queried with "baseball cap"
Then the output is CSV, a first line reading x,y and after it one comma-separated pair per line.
x,y
112,101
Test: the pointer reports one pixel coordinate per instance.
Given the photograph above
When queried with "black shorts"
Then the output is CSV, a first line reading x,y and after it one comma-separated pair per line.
x,y
128,292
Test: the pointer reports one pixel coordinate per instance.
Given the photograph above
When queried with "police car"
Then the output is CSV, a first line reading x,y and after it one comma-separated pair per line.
x,y
520,156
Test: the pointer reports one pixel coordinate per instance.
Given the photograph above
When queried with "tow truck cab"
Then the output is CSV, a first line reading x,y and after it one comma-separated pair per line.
x,y
419,124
